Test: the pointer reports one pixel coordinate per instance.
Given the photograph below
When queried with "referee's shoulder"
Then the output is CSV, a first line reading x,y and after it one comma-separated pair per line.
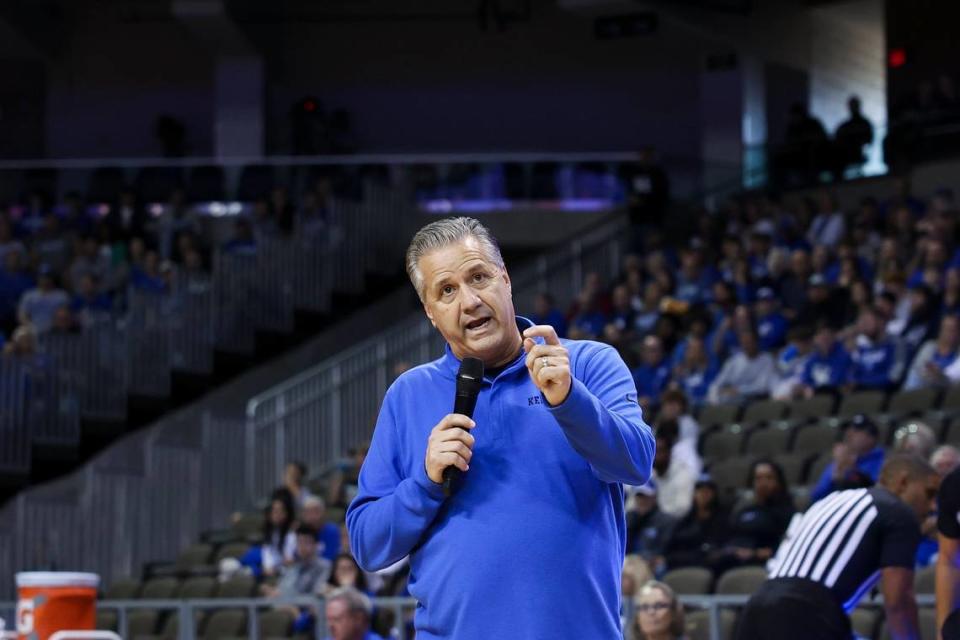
x,y
890,505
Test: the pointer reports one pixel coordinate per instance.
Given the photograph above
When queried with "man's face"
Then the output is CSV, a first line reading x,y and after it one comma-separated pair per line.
x,y
344,624
749,343
652,351
468,299
306,547
312,515
824,340
860,440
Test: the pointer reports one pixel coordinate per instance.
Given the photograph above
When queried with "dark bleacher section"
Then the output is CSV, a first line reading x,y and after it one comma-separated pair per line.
x,y
147,290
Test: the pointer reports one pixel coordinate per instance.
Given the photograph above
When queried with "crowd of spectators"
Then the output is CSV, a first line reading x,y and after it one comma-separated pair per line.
x,y
303,552
69,266
773,300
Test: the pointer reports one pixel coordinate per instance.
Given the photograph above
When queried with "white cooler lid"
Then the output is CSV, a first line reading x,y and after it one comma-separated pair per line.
x,y
57,579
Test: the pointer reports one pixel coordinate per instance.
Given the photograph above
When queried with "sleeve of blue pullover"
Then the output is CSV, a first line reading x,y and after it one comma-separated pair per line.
x,y
824,486
602,420
390,513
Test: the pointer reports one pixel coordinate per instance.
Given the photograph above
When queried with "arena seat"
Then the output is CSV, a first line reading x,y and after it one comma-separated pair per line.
x,y
951,399
814,439
697,623
160,588
250,523
225,623
723,443
689,581
717,415
860,402
730,476
141,622
771,441
197,587
804,411
741,581
196,555
107,620
239,586
912,403
763,412
794,466
231,550
123,589
277,623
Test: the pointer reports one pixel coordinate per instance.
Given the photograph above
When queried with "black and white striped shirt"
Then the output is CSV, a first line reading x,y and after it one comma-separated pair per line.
x,y
844,540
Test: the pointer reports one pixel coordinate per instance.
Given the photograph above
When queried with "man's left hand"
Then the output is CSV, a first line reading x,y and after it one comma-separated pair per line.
x,y
548,363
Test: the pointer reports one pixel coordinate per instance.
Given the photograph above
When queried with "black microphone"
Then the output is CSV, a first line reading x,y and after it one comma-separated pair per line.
x,y
469,379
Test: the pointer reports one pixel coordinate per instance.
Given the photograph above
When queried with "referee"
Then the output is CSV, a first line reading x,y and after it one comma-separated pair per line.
x,y
842,546
948,559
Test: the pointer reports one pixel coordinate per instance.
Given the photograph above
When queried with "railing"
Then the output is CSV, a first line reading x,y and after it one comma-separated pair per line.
x,y
89,374
401,608
320,413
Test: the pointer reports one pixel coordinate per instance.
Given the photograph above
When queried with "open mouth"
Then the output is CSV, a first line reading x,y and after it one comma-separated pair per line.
x,y
478,324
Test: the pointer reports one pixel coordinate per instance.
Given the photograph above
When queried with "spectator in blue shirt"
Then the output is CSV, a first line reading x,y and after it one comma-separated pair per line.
x,y
314,515
89,302
546,312
38,306
771,325
649,313
150,277
929,368
696,371
856,460
875,358
694,279
759,251
829,365
653,374
243,241
922,321
622,314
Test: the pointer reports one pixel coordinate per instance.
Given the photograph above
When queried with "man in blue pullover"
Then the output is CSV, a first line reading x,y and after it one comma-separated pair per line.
x,y
531,542
856,461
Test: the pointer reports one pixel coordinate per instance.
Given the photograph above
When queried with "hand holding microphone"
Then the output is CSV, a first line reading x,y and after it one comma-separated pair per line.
x,y
450,447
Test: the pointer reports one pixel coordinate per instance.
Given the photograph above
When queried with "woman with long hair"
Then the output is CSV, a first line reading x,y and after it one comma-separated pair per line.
x,y
279,540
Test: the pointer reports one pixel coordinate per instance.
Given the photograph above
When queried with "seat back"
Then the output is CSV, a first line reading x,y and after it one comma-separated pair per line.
x,y
690,581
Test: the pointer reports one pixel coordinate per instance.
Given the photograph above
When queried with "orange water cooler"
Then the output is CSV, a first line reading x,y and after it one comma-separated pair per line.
x,y
49,601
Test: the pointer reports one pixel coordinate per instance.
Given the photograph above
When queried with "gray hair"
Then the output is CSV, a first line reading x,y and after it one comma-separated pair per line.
x,y
442,233
356,601
313,501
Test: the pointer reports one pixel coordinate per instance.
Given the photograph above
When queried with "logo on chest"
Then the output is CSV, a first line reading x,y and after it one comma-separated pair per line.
x,y
532,400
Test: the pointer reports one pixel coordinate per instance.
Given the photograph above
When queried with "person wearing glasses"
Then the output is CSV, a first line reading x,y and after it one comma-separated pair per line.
x,y
659,614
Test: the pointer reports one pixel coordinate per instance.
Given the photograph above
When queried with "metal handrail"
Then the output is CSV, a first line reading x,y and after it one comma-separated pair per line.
x,y
186,608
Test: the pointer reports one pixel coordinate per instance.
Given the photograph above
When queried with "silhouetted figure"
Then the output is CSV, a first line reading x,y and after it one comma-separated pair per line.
x,y
850,138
